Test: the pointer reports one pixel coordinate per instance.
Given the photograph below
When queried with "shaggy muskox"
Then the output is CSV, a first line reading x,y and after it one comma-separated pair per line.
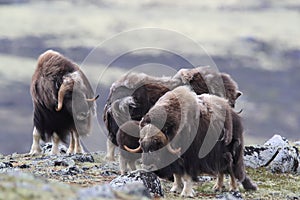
x,y
128,136
185,135
63,102
130,98
145,90
207,80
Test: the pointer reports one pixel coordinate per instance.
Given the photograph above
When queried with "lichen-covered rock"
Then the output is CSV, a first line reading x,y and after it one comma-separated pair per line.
x,y
287,160
46,148
276,154
258,156
277,141
148,179
5,165
233,195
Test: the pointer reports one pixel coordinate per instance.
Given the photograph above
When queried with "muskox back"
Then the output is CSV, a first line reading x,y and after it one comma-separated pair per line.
x,y
205,79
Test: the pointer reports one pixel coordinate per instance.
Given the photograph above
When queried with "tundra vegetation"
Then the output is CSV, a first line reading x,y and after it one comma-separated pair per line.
x,y
63,176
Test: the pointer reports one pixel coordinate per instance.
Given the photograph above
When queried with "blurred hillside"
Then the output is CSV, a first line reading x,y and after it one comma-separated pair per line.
x,y
257,42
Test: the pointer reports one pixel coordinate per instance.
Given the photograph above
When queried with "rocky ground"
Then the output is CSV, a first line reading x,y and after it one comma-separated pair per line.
x,y
90,176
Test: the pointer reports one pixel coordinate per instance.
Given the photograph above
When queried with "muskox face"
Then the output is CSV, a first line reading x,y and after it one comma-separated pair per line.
x,y
152,139
156,147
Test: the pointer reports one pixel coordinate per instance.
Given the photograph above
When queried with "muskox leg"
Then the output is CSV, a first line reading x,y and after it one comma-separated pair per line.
x,y
55,143
218,187
131,164
110,151
35,147
123,164
187,187
77,147
177,185
233,183
72,143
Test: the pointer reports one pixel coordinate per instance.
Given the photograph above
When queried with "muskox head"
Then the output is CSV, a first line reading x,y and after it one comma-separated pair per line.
x,y
156,147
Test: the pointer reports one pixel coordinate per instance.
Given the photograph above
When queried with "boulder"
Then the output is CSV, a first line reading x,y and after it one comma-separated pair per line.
x,y
148,179
277,154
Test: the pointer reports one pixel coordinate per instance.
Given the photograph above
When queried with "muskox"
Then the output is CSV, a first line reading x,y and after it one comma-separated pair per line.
x,y
207,80
130,98
145,90
185,135
63,102
128,136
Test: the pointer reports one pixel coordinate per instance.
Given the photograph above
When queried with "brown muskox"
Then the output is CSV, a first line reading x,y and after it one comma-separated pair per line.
x,y
146,90
128,136
185,135
63,102
130,98
206,79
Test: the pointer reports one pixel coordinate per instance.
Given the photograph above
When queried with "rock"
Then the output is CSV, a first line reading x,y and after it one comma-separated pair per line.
x,y
24,166
99,191
276,154
204,178
72,170
66,162
5,165
258,156
134,191
277,141
297,143
83,158
148,179
287,160
233,195
46,148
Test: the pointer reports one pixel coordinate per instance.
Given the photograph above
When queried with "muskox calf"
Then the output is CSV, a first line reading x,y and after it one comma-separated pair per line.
x,y
185,135
63,102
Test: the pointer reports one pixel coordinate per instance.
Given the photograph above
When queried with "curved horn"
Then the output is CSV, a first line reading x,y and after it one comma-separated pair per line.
x,y
93,99
173,151
65,86
239,112
136,150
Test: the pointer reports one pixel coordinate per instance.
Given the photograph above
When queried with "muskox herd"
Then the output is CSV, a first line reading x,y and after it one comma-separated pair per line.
x,y
180,126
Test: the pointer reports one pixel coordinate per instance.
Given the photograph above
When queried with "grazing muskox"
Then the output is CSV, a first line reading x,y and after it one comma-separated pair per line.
x,y
63,102
130,98
128,136
145,90
185,135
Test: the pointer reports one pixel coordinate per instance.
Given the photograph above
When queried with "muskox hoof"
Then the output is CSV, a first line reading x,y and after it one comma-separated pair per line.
x,y
235,189
188,193
35,151
176,189
218,188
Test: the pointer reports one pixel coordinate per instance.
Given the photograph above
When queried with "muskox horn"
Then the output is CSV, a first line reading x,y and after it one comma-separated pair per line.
x,y
173,151
93,99
136,150
65,86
